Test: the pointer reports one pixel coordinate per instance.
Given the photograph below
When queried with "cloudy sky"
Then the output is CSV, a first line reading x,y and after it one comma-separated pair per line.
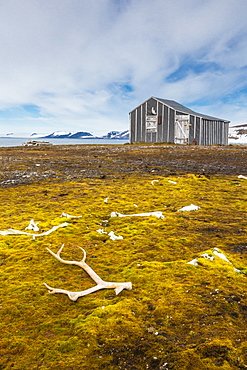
x,y
80,65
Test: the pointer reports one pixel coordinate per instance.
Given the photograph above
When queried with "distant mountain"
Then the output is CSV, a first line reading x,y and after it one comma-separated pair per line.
x,y
120,135
116,135
81,135
238,134
36,135
69,135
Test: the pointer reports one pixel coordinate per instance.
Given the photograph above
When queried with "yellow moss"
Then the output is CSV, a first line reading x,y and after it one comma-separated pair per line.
x,y
190,317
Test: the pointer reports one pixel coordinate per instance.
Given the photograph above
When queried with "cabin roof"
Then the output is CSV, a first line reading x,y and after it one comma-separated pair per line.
x,y
181,108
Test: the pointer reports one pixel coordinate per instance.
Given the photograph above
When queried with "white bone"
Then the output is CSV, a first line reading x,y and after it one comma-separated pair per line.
x,y
192,207
101,231
193,262
220,255
217,253
32,226
18,232
69,216
157,214
207,256
113,236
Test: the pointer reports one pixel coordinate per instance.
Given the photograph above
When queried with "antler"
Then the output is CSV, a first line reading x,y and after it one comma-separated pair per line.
x,y
101,284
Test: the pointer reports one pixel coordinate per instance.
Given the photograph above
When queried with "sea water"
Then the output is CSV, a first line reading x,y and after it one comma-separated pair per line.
x,y
9,142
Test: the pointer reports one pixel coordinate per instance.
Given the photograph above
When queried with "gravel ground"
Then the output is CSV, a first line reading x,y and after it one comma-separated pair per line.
x,y
25,165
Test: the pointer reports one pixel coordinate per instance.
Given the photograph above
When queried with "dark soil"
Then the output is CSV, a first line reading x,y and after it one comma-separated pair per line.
x,y
25,165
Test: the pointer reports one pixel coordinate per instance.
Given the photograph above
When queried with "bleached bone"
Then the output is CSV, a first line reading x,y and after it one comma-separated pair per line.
x,y
18,232
113,236
217,253
32,226
156,214
69,216
106,200
101,231
207,256
242,177
101,284
193,262
221,255
154,181
192,207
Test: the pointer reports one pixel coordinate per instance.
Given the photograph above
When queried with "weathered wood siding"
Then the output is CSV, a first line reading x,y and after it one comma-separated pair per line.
x,y
171,125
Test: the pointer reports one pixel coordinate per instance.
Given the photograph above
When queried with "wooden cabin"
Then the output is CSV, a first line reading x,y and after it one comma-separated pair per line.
x,y
162,120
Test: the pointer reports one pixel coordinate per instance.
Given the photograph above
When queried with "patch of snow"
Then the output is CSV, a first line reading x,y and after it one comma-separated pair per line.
x,y
238,134
62,133
116,135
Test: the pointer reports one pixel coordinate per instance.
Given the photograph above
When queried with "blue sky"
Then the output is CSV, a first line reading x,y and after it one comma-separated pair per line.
x,y
79,65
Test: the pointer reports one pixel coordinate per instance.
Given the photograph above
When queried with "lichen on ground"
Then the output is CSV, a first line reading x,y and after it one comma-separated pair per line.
x,y
177,316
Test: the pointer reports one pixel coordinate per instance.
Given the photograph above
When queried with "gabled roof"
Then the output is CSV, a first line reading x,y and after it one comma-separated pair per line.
x,y
181,108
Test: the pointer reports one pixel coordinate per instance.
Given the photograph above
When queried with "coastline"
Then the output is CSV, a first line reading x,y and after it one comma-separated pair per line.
x,y
12,142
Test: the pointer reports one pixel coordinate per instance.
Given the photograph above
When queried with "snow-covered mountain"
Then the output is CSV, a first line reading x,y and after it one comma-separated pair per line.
x,y
116,135
37,135
238,134
69,135
86,135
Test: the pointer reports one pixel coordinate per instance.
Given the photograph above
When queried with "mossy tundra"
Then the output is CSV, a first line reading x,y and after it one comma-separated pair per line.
x,y
177,316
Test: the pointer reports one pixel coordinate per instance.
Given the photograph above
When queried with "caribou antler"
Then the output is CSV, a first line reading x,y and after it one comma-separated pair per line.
x,y
101,284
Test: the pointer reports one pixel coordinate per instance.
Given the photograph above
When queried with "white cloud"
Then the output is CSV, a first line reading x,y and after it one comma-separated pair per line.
x,y
85,64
